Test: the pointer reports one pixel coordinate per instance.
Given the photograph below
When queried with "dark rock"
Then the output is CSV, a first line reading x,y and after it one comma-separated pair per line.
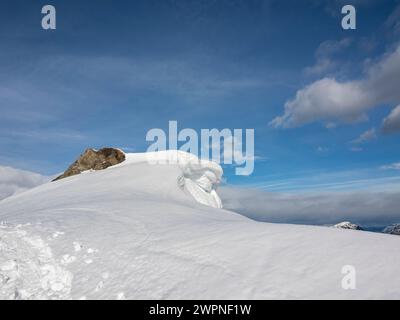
x,y
393,229
92,159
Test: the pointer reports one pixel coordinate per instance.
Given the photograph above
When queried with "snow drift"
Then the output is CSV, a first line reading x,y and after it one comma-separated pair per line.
x,y
200,178
136,231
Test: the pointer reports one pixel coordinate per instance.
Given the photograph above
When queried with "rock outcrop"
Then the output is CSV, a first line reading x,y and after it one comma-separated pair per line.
x,y
92,159
347,225
393,229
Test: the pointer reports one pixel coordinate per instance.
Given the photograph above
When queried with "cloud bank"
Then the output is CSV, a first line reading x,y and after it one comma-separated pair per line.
x,y
329,100
393,166
14,180
378,208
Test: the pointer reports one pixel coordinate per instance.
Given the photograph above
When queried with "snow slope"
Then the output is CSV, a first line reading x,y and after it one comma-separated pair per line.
x,y
135,231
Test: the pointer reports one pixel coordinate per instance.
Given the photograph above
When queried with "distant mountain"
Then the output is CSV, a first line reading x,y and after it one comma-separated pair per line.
x,y
347,225
393,229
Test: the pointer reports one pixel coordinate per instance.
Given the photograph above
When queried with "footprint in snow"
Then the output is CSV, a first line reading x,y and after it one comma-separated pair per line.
x,y
9,265
57,234
28,269
67,259
121,296
105,275
99,286
77,246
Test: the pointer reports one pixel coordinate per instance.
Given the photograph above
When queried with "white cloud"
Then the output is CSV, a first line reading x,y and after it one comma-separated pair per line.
x,y
322,66
356,149
44,135
393,21
185,78
329,100
392,122
321,149
331,47
325,52
368,135
15,180
366,208
235,149
393,166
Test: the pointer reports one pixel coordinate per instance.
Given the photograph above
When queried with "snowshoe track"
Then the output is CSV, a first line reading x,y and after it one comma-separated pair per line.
x,y
28,269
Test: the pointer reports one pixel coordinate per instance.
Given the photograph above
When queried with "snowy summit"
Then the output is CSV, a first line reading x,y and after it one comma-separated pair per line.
x,y
151,228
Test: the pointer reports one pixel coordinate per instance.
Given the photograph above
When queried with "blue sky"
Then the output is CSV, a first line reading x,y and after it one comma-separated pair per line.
x,y
115,69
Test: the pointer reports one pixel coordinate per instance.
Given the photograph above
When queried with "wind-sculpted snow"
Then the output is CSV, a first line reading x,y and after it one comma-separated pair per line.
x,y
199,178
130,231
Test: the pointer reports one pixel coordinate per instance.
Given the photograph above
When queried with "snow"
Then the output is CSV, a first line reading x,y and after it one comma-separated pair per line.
x,y
347,225
136,231
393,229
28,268
199,178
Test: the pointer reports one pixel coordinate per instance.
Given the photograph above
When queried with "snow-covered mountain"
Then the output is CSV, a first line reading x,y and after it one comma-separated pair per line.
x,y
393,229
156,231
347,225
